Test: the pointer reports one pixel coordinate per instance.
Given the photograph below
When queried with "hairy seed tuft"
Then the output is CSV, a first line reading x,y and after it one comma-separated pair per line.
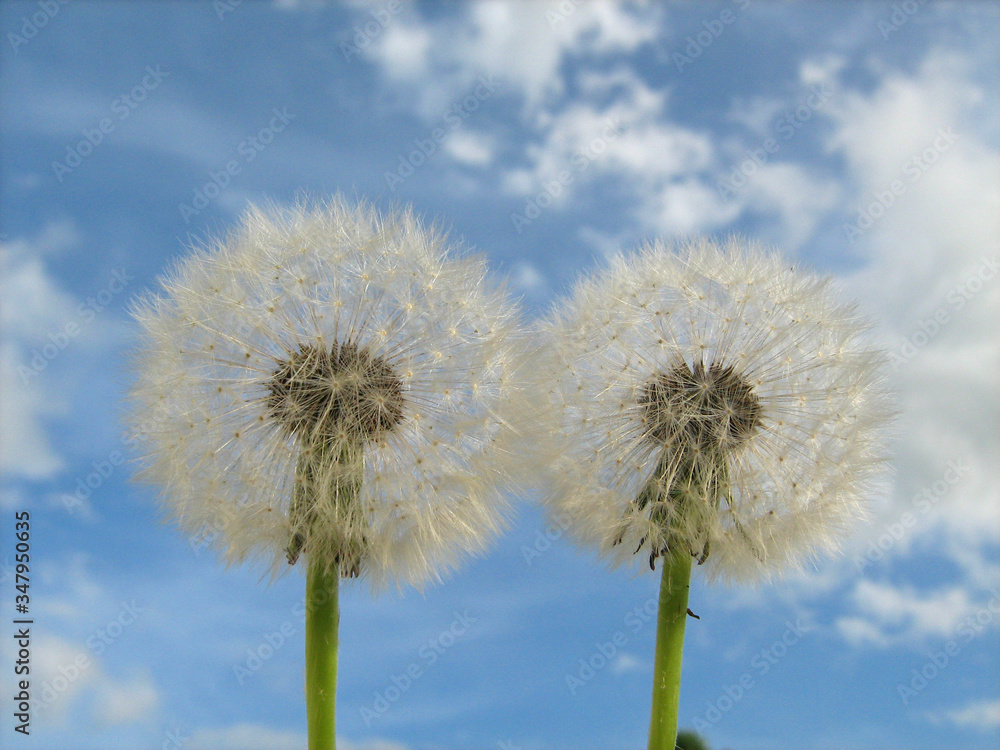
x,y
318,394
711,409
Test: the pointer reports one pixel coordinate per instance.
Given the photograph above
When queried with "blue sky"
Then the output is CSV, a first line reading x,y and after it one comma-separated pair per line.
x,y
860,138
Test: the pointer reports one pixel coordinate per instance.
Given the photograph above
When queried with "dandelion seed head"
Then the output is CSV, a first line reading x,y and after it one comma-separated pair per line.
x,y
358,354
710,398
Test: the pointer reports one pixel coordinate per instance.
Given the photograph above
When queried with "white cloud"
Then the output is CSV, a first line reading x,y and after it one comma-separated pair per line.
x,y
259,737
820,70
402,51
615,128
84,622
523,44
603,242
291,5
795,198
626,663
70,591
626,134
39,322
891,615
33,316
63,673
69,502
859,631
757,114
370,745
55,238
126,702
930,614
527,278
686,207
983,715
69,679
469,148
934,243
25,448
620,131
33,303
246,737
12,499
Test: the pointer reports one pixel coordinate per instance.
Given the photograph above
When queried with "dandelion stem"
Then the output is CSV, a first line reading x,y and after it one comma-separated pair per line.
x,y
672,617
322,624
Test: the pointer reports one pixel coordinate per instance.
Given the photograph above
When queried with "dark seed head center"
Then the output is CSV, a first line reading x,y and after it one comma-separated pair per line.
x,y
698,408
322,393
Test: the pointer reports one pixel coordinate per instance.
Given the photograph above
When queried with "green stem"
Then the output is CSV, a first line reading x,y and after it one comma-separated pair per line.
x,y
322,623
672,617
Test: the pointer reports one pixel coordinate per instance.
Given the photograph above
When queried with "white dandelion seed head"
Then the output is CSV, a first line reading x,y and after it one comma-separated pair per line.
x,y
713,399
329,347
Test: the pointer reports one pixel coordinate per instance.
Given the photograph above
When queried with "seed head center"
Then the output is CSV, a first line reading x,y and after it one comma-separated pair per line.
x,y
320,393
710,409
